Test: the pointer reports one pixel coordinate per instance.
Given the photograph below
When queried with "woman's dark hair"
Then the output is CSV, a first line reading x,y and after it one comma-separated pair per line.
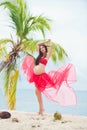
x,y
40,54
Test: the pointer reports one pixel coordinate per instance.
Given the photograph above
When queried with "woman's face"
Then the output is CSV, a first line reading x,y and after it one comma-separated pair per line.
x,y
42,49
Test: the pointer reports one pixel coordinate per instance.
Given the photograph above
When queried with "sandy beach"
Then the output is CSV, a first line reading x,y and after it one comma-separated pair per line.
x,y
32,121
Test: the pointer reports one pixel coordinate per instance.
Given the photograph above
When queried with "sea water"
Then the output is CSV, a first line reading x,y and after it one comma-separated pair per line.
x,y
26,101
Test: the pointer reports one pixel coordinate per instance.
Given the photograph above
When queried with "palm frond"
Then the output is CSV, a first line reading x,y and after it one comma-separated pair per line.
x,y
58,53
27,23
39,23
4,45
54,57
10,84
17,14
3,51
7,77
5,41
12,89
22,21
29,45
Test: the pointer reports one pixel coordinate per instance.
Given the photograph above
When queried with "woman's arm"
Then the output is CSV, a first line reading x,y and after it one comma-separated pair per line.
x,y
49,51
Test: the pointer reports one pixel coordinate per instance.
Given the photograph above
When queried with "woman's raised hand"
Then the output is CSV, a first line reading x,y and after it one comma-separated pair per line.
x,y
49,40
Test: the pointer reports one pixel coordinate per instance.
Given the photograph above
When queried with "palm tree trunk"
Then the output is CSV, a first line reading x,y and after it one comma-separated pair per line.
x,y
2,65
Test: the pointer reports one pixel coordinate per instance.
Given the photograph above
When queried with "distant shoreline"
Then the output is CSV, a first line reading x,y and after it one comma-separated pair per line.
x,y
27,98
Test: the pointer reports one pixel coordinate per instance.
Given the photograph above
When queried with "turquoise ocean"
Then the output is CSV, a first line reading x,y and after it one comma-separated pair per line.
x,y
26,101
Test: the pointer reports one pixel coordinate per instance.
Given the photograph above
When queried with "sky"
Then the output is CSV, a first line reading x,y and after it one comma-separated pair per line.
x,y
68,28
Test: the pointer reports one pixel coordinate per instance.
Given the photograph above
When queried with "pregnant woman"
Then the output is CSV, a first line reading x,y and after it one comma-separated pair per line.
x,y
54,84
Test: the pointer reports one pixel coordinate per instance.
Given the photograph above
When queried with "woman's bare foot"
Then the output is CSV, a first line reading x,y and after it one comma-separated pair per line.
x,y
41,112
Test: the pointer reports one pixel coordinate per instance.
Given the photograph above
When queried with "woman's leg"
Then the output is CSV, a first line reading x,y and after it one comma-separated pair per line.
x,y
40,101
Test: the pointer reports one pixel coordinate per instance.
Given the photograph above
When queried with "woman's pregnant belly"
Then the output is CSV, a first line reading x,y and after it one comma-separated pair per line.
x,y
39,69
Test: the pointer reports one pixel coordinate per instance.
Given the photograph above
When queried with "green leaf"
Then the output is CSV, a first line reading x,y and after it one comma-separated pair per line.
x,y
3,51
12,89
29,45
5,41
39,23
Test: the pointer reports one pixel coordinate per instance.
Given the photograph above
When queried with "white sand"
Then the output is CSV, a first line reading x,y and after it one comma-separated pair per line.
x,y
33,121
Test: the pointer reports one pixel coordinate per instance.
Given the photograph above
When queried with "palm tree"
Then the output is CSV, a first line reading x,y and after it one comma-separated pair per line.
x,y
23,24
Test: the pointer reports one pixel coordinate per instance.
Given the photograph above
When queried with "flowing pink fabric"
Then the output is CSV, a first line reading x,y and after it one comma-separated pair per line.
x,y
54,84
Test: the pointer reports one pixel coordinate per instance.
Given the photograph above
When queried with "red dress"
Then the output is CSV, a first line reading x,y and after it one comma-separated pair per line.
x,y
54,84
